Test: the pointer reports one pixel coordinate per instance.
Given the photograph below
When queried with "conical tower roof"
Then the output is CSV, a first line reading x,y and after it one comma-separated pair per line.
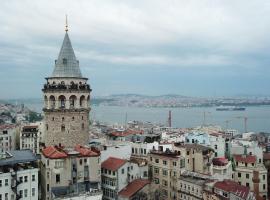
x,y
67,65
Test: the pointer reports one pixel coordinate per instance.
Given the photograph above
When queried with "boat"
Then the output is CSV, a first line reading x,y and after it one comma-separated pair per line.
x,y
230,108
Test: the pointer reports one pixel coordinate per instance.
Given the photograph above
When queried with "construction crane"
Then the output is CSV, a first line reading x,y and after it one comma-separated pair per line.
x,y
238,117
245,122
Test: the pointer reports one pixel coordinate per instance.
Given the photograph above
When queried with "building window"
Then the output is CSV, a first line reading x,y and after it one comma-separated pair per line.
x,y
21,179
63,128
73,118
239,175
21,193
6,182
263,177
33,192
25,193
6,196
57,178
80,161
48,187
63,119
25,178
264,187
82,126
247,184
174,163
164,172
157,160
164,162
0,196
247,176
33,177
0,183
123,171
156,170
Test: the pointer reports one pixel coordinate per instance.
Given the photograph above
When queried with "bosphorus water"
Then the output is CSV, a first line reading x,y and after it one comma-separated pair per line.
x,y
258,117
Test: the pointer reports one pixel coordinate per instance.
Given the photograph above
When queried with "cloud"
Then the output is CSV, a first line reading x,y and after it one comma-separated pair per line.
x,y
112,36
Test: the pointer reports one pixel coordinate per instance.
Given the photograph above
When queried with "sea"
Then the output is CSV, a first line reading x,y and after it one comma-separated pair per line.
x,y
258,117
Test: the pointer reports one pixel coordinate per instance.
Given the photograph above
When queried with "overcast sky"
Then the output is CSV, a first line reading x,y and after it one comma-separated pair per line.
x,y
188,47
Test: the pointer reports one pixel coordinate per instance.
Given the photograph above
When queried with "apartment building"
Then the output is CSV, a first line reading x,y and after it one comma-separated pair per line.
x,y
69,172
118,174
191,186
19,176
198,158
230,190
165,168
222,168
29,138
251,174
7,138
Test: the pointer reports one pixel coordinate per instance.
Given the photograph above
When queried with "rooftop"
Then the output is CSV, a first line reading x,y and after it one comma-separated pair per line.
x,y
67,65
58,152
245,158
113,163
18,156
193,146
233,187
133,187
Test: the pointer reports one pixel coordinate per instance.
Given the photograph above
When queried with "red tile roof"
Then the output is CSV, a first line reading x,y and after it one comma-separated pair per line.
x,y
57,152
221,161
126,133
266,156
7,126
113,164
53,153
133,187
84,151
245,158
233,187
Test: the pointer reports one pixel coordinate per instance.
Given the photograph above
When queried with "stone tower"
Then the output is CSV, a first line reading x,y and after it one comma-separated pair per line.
x,y
66,101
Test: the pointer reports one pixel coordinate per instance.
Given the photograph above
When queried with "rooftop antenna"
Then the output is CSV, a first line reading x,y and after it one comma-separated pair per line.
x,y
66,29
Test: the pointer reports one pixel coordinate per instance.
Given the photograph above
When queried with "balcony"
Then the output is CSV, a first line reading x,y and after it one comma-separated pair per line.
x,y
62,87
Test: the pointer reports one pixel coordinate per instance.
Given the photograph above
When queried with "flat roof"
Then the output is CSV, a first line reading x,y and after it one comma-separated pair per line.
x,y
18,156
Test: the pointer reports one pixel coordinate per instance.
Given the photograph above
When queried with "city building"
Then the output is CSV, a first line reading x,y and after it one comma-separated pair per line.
x,y
19,176
30,137
118,175
222,168
137,189
251,174
198,158
67,172
231,190
66,101
165,168
191,186
7,138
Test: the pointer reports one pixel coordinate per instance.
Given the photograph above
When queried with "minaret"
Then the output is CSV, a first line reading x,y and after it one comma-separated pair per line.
x,y
66,101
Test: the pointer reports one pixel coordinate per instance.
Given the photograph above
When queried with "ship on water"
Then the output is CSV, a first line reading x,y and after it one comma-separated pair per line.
x,y
230,108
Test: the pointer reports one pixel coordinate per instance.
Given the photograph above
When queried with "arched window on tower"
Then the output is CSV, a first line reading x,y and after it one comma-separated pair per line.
x,y
88,101
72,101
63,128
62,101
82,101
45,101
82,126
52,102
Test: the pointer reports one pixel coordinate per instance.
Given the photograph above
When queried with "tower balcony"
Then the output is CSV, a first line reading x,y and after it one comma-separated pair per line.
x,y
66,109
66,88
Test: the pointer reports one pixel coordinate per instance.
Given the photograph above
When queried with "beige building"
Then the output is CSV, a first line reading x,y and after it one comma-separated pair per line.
x,y
7,138
251,174
31,137
198,158
69,171
66,101
164,171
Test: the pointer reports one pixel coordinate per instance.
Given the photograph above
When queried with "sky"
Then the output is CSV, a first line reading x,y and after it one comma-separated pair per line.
x,y
188,47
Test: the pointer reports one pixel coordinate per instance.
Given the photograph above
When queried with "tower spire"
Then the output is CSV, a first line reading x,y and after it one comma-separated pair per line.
x,y
66,29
